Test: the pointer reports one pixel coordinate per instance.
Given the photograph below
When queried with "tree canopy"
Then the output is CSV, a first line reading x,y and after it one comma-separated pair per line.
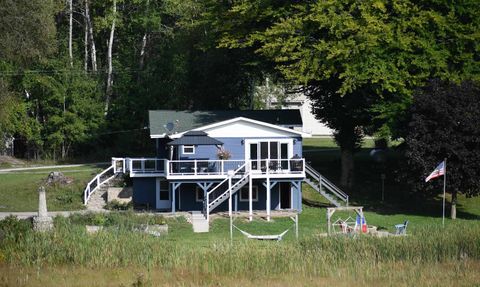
x,y
443,123
359,61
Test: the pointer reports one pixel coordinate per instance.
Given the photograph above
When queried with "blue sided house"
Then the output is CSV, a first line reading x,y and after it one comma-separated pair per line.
x,y
210,161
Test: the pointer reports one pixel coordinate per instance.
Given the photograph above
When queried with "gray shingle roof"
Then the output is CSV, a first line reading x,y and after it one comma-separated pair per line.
x,y
187,120
195,138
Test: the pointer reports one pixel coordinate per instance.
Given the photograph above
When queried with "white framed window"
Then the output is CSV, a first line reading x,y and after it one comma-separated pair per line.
x,y
244,193
199,196
188,149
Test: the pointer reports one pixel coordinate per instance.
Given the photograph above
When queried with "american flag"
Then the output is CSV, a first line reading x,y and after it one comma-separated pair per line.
x,y
439,171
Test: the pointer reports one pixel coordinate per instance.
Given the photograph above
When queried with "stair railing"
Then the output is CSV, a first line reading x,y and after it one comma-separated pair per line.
x,y
96,182
323,182
207,202
119,164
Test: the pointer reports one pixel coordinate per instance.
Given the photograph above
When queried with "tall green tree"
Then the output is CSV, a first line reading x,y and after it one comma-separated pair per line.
x,y
443,123
28,35
66,106
359,61
28,29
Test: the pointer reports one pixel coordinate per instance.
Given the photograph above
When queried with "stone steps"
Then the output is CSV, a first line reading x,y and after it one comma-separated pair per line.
x,y
98,199
199,222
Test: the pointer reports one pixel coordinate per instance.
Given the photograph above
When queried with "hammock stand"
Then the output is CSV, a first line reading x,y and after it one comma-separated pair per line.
x,y
276,237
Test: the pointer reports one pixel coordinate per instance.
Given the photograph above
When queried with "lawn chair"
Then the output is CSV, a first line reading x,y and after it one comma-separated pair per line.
x,y
401,229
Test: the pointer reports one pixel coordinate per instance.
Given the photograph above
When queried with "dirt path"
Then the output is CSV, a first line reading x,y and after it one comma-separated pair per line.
x,y
9,170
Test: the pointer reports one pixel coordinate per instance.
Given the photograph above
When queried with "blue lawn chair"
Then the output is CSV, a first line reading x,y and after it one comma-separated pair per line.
x,y
401,229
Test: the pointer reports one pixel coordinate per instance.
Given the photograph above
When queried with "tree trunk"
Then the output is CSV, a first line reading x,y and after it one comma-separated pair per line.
x,y
70,32
347,167
109,61
453,212
144,45
85,45
142,51
64,150
93,52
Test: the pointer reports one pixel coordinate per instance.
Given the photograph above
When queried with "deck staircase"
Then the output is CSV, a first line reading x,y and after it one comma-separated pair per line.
x,y
325,187
93,195
98,200
226,188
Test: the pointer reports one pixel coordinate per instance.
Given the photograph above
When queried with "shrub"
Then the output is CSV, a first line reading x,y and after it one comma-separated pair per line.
x,y
13,228
116,205
125,220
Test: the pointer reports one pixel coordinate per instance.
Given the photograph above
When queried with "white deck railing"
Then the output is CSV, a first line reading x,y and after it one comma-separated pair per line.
x,y
198,167
202,167
324,183
140,165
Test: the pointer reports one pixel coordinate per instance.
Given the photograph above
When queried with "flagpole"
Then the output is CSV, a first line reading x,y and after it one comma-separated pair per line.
x,y
444,185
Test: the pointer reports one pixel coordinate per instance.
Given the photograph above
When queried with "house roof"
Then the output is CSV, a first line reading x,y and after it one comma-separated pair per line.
x,y
181,121
240,127
195,138
238,132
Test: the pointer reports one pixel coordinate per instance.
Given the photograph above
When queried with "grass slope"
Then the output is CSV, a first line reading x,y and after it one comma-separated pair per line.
x,y
18,191
429,256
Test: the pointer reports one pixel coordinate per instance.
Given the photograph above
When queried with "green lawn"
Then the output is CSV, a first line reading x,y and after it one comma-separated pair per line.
x,y
18,191
431,254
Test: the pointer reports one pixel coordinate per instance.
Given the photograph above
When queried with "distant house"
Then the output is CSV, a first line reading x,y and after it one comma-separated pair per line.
x,y
7,145
310,124
204,158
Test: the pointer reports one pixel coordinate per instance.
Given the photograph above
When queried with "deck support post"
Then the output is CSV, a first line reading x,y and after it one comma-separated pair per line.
x,y
296,226
250,199
298,185
173,198
235,206
268,198
230,197
175,185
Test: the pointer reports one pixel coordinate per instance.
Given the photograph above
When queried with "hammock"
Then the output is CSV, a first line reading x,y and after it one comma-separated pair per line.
x,y
277,237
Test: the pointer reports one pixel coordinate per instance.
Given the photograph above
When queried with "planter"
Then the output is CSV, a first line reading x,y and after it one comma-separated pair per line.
x,y
156,230
92,229
120,194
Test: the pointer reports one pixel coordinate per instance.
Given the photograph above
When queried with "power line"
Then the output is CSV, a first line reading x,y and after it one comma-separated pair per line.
x,y
65,71
96,134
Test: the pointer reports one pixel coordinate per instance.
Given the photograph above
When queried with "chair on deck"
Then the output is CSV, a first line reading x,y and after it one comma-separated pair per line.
x,y
401,229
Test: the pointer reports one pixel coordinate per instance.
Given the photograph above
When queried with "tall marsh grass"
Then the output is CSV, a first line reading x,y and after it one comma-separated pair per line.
x,y
321,256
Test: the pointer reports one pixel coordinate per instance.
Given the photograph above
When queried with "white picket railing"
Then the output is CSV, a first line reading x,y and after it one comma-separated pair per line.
x,y
202,167
198,167
325,184
96,182
145,165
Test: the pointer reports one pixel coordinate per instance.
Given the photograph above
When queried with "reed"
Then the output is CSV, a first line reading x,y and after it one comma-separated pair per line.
x,y
118,246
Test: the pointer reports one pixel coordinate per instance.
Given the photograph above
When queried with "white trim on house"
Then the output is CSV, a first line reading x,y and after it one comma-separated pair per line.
x,y
280,195
247,126
199,191
254,193
289,143
162,203
188,146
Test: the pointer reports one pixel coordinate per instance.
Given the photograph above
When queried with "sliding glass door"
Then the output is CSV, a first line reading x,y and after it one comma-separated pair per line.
x,y
271,153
